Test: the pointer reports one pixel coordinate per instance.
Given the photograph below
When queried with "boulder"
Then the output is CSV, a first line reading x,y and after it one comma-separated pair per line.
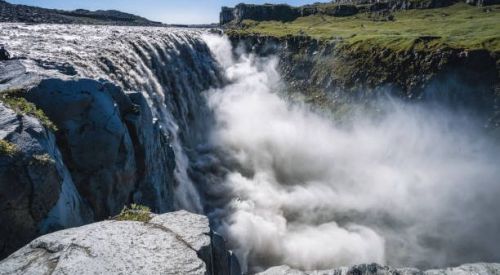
x,y
173,243
375,269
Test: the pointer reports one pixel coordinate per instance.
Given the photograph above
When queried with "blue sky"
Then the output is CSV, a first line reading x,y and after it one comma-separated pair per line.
x,y
167,11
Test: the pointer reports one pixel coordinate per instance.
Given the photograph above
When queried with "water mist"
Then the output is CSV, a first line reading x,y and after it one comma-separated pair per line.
x,y
415,185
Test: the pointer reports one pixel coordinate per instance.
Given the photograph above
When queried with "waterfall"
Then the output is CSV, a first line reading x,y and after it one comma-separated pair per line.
x,y
414,184
170,66
405,184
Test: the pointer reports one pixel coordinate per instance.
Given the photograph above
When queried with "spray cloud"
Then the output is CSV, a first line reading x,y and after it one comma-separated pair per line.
x,y
416,186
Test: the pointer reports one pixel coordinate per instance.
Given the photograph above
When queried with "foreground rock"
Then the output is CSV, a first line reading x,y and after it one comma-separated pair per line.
x,y
173,243
374,269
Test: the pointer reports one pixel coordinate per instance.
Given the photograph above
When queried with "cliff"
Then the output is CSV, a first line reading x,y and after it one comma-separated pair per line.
x,y
415,55
285,13
108,150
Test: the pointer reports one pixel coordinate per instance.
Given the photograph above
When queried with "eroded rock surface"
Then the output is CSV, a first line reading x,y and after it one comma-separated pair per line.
x,y
107,152
37,193
173,243
375,269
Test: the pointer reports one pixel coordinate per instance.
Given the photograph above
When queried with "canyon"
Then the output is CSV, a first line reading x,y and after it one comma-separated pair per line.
x,y
253,151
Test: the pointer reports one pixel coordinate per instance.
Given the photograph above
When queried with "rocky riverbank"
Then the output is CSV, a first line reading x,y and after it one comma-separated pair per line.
x,y
173,243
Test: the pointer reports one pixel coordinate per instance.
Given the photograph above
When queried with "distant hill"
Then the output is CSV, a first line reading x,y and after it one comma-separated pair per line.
x,y
28,14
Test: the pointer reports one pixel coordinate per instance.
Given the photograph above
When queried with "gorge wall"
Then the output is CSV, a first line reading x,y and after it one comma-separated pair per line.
x,y
334,76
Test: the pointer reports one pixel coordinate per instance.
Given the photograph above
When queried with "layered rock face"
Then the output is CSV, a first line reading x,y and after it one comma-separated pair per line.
x,y
337,8
327,73
241,12
173,243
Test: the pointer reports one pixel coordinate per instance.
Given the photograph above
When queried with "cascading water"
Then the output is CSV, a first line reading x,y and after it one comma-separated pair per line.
x,y
171,66
413,185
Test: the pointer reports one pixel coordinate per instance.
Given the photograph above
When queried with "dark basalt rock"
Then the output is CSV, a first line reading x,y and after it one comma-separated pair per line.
x,y
107,152
265,12
37,193
4,54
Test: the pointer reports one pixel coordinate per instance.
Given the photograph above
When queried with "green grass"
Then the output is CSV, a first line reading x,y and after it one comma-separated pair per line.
x,y
135,212
459,26
14,100
7,148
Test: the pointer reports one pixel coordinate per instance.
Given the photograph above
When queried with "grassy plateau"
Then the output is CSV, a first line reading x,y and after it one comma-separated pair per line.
x,y
457,26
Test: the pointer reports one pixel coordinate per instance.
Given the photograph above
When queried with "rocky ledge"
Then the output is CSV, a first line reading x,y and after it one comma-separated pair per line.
x,y
173,243
375,269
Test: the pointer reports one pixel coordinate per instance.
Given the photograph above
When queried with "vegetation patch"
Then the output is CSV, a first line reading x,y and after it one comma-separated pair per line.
x,y
7,148
44,160
135,212
459,26
14,99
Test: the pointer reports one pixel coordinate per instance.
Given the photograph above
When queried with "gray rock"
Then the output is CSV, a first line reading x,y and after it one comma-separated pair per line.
x,y
36,190
93,138
169,244
375,269
13,75
153,156
108,152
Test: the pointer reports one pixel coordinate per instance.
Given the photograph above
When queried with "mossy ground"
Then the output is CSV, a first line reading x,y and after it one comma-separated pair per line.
x,y
7,148
135,212
15,100
458,26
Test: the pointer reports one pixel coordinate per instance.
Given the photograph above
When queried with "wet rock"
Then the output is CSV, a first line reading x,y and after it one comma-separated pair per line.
x,y
173,243
153,156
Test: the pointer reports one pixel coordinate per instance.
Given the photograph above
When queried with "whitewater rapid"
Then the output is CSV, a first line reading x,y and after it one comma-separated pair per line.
x,y
406,184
